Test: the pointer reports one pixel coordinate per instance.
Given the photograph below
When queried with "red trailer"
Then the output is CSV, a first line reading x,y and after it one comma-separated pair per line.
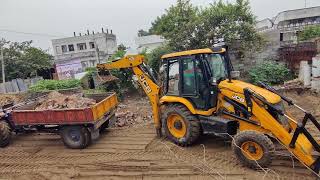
x,y
77,127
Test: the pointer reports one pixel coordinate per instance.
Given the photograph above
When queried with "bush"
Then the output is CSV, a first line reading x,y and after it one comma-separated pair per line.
x,y
154,58
46,85
90,69
309,33
271,73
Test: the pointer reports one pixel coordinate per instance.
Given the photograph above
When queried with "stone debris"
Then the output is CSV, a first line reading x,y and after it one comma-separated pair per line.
x,y
294,84
133,112
56,100
8,99
128,118
108,78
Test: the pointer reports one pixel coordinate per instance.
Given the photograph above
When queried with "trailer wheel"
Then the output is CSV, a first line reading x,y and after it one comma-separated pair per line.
x,y
5,134
253,149
75,137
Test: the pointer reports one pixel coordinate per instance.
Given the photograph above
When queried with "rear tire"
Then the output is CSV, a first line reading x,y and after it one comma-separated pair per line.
x,y
75,137
256,149
5,134
180,125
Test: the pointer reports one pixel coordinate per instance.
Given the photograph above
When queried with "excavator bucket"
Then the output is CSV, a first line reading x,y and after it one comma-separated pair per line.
x,y
104,76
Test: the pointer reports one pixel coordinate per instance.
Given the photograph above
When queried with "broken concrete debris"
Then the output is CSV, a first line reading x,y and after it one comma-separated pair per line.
x,y
56,100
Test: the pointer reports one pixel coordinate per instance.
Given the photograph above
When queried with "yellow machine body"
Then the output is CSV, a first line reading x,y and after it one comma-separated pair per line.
x,y
232,89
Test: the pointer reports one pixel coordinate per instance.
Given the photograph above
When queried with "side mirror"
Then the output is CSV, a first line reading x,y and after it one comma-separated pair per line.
x,y
235,74
213,81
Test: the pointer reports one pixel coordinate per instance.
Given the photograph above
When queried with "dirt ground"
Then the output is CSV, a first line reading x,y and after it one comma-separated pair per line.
x,y
133,152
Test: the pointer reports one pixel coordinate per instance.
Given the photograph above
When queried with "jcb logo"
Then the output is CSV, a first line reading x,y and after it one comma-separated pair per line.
x,y
236,97
145,84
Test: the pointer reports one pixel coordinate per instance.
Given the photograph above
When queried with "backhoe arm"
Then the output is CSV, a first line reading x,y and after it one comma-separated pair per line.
x,y
135,62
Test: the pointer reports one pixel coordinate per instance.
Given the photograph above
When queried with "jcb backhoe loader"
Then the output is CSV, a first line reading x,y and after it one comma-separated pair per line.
x,y
199,95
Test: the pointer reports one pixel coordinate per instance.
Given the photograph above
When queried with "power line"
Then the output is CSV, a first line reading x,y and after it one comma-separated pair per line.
x,y
28,33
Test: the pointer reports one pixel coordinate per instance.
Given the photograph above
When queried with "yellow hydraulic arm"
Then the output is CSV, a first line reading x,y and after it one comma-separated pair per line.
x,y
144,78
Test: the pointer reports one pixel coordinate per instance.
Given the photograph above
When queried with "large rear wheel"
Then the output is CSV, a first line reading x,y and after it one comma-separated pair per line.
x,y
180,125
253,149
5,134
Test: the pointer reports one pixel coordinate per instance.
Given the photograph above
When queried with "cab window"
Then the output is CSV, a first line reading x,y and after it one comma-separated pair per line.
x,y
173,77
189,83
217,66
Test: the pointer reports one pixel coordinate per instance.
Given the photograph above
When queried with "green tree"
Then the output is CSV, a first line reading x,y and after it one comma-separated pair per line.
x,y
178,25
232,21
124,75
120,53
23,61
188,27
154,57
309,33
142,32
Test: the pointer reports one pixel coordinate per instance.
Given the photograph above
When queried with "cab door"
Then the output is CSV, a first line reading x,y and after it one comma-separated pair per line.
x,y
186,77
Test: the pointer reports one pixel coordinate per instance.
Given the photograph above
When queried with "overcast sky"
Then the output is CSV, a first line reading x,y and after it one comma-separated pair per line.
x,y
60,18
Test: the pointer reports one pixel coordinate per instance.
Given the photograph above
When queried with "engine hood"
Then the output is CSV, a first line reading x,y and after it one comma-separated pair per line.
x,y
238,87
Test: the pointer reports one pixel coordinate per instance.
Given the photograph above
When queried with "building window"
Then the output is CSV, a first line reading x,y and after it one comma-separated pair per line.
x,y
82,46
92,46
71,47
281,37
58,50
64,48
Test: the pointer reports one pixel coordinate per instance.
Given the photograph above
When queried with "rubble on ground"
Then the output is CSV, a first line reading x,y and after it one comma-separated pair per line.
x,y
108,78
10,98
133,112
56,100
294,84
128,118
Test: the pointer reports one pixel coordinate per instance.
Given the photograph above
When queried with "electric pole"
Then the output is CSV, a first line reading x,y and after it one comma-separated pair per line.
x,y
305,3
2,68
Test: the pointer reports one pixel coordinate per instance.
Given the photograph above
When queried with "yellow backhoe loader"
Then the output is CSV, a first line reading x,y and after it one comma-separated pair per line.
x,y
199,94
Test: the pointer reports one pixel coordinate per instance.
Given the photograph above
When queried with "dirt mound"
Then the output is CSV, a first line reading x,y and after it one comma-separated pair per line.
x,y
56,100
134,110
8,99
128,118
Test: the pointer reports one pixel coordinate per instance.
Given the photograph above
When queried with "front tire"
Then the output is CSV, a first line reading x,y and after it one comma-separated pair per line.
x,y
75,137
253,149
180,125
5,134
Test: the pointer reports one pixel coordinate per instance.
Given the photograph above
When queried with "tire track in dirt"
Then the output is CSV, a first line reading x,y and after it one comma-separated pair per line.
x,y
150,159
29,156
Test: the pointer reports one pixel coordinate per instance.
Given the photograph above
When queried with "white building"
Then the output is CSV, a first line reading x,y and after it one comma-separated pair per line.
x,y
90,49
149,43
73,54
288,24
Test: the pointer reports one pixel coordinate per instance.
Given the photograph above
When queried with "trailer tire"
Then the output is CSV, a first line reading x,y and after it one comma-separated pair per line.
x,y
5,134
75,137
253,149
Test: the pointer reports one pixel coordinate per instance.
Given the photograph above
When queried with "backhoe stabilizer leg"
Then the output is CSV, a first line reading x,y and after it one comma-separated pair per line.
x,y
159,132
316,166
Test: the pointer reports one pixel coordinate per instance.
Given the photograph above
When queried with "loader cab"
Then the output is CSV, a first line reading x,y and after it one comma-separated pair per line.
x,y
195,75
